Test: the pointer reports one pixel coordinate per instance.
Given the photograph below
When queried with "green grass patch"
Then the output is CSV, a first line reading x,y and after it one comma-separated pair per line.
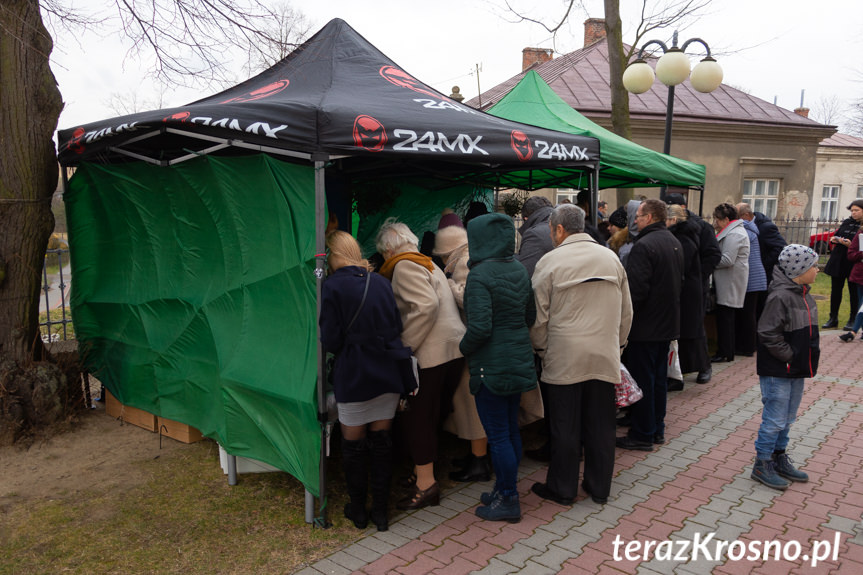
x,y
183,518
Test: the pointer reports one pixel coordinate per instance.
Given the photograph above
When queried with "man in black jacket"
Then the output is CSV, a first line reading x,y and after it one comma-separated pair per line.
x,y
710,254
655,271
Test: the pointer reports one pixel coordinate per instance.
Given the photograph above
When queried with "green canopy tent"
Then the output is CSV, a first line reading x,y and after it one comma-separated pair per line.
x,y
624,164
197,232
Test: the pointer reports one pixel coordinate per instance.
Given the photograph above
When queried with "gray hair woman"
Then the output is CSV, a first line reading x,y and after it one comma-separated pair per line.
x,y
730,277
433,329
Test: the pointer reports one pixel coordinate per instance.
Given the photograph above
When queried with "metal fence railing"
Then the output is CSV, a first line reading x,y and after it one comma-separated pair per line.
x,y
814,233
55,321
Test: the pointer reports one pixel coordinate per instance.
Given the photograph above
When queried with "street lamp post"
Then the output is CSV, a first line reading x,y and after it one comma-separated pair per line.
x,y
672,69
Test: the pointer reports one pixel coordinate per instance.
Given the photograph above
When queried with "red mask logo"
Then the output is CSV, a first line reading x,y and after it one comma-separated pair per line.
x,y
404,80
76,144
521,144
178,117
260,93
369,134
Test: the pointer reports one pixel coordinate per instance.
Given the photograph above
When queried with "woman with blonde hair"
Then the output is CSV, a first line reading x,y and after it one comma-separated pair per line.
x,y
360,323
433,329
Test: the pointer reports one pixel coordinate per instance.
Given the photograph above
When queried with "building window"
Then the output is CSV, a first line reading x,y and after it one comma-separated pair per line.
x,y
829,202
762,195
860,192
565,194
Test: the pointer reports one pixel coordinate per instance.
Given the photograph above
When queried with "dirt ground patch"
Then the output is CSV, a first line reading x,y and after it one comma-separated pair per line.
x,y
98,451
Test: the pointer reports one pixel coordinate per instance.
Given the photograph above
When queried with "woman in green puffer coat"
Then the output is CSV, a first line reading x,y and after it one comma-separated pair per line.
x,y
499,304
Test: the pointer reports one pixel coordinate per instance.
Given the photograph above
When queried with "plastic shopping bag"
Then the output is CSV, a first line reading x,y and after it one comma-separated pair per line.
x,y
627,391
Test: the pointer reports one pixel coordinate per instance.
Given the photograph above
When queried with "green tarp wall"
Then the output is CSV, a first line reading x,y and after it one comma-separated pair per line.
x,y
193,293
193,297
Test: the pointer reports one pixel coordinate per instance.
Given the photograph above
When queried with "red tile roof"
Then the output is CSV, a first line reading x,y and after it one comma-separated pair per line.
x,y
581,78
838,140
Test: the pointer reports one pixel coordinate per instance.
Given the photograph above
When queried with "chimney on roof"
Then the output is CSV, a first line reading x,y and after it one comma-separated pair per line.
x,y
594,30
802,112
531,57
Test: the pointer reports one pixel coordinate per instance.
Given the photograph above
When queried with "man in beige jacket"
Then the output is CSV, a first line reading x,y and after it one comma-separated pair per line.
x,y
583,316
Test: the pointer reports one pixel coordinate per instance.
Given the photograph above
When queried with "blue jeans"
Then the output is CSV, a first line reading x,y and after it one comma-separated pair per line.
x,y
781,397
858,320
499,416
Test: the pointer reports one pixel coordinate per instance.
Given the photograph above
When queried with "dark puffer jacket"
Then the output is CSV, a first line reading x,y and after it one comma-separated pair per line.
x,y
788,331
499,305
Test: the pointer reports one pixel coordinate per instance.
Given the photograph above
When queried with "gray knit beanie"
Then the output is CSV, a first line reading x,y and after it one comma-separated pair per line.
x,y
795,260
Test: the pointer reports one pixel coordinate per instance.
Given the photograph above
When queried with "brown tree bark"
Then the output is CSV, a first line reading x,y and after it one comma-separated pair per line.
x,y
30,105
619,96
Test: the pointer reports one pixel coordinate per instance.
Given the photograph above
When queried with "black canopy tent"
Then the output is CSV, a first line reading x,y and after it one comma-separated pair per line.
x,y
341,106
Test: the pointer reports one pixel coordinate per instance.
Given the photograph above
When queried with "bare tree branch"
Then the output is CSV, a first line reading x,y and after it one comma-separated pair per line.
x,y
828,110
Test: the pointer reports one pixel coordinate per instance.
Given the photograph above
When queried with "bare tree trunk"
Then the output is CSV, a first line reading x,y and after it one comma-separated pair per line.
x,y
619,96
29,109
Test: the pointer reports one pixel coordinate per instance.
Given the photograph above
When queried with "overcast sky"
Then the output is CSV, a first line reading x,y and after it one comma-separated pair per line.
x,y
773,49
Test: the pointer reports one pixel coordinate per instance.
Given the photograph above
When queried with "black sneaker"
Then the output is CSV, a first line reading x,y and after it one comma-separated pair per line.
x,y
675,384
627,442
704,376
659,439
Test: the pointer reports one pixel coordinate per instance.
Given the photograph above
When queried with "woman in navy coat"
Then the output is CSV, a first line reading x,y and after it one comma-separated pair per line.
x,y
360,323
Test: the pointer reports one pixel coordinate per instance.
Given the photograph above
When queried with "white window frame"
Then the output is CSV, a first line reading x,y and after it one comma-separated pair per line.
x,y
762,194
565,193
830,202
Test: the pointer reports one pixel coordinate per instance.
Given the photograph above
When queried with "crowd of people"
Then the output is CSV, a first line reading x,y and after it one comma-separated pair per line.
x,y
479,337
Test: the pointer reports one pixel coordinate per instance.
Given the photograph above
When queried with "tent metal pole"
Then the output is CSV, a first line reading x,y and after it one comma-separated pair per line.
x,y
320,269
594,194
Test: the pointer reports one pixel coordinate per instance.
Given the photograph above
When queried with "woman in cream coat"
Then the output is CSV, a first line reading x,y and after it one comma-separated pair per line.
x,y
433,329
730,277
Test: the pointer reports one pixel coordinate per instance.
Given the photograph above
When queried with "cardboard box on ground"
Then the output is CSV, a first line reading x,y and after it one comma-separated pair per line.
x,y
139,417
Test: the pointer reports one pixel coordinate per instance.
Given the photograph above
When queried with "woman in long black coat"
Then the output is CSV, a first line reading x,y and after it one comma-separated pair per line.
x,y
692,343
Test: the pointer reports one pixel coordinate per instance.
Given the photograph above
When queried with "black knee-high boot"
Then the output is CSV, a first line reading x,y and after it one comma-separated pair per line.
x,y
381,448
355,468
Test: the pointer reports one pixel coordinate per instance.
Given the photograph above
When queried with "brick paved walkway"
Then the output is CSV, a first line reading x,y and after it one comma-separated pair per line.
x,y
694,486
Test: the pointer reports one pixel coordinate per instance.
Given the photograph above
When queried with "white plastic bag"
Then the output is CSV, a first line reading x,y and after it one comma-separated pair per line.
x,y
627,391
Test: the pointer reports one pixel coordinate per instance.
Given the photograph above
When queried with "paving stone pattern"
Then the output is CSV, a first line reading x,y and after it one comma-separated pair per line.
x,y
693,489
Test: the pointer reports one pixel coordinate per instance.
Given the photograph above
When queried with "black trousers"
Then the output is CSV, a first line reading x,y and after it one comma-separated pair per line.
x,y
746,324
581,416
647,362
837,285
725,331
429,408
